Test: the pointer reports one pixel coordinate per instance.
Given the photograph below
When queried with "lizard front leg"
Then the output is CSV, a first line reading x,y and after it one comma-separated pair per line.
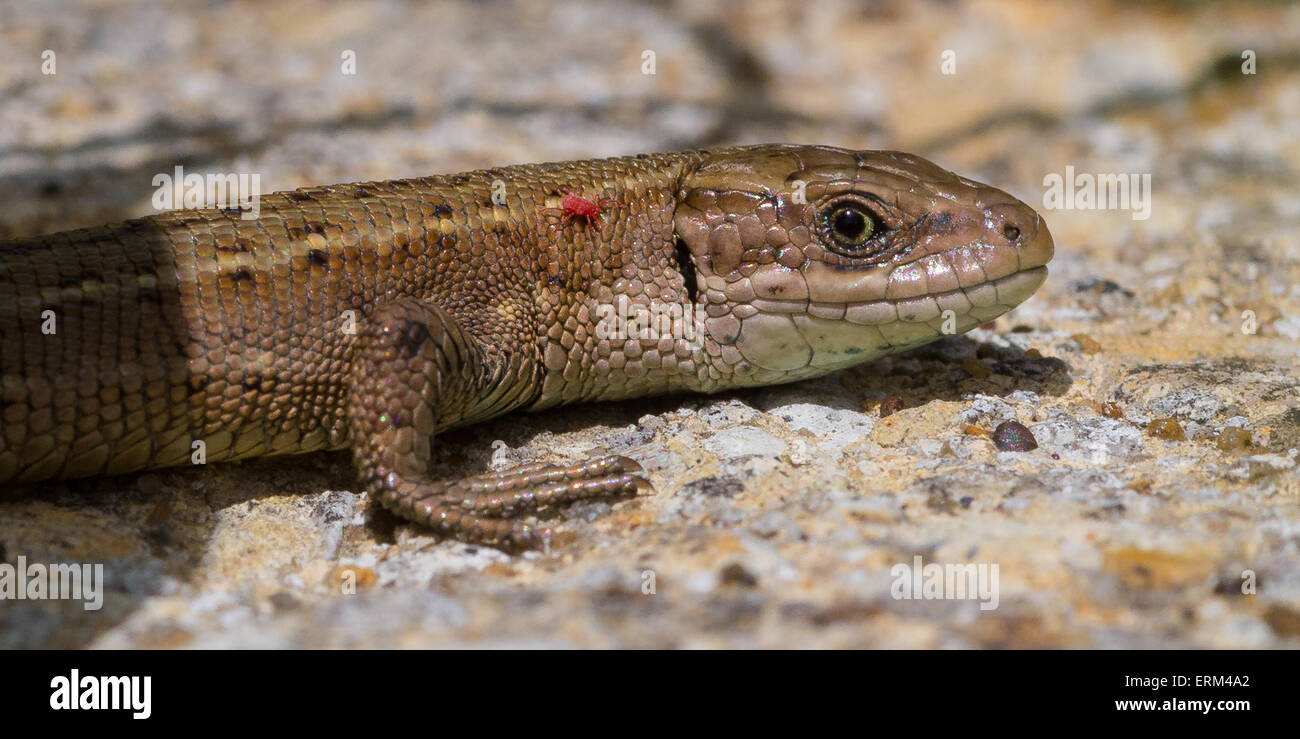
x,y
415,372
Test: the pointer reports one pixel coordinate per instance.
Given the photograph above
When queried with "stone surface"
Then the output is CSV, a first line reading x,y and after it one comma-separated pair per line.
x,y
780,512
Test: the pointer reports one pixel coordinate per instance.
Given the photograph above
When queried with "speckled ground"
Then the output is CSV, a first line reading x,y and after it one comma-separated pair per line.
x,y
779,512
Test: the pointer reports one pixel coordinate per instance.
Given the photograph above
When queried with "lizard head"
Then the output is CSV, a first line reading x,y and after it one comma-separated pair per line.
x,y
810,259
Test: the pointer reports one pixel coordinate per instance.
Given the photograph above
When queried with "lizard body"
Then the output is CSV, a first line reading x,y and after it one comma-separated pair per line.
x,y
376,315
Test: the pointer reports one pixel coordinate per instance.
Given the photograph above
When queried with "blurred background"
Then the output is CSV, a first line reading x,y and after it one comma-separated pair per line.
x,y
1203,96
441,87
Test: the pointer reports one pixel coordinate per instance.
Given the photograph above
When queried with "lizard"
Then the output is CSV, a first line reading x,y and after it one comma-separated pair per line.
x,y
375,315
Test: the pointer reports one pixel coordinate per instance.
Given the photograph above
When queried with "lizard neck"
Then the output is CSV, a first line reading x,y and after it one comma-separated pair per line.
x,y
619,313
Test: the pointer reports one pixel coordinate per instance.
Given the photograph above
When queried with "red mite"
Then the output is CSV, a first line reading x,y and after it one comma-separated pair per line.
x,y
577,208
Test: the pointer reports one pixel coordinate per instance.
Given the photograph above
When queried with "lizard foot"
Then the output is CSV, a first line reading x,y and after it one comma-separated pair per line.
x,y
416,370
485,508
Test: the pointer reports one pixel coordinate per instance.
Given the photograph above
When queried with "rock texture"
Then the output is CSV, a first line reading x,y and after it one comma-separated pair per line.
x,y
1164,482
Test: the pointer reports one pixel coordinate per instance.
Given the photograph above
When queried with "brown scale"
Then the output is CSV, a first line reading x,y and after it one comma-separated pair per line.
x,y
200,326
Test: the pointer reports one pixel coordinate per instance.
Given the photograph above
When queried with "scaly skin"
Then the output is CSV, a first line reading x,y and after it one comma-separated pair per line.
x,y
376,315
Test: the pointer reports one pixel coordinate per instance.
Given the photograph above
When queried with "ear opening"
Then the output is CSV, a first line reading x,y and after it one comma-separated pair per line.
x,y
686,267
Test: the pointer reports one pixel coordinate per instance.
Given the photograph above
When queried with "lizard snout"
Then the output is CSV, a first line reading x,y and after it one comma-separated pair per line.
x,y
1018,226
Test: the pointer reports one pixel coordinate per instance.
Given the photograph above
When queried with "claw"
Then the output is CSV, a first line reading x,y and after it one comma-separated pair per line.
x,y
629,466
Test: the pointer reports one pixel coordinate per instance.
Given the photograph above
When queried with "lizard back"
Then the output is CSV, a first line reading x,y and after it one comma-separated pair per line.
x,y
124,344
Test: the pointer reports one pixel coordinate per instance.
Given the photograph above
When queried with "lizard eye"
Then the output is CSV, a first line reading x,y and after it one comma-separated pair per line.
x,y
850,226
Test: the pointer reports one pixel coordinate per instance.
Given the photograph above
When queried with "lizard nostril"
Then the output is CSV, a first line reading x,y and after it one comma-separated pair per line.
x,y
1010,231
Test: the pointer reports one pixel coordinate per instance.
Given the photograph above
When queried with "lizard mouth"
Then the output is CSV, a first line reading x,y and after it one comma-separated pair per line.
x,y
984,301
802,337
870,329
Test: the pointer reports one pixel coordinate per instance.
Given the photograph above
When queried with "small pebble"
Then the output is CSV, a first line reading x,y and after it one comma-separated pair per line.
x,y
284,601
1012,436
1233,439
1168,429
1087,344
736,574
975,368
1110,409
891,405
